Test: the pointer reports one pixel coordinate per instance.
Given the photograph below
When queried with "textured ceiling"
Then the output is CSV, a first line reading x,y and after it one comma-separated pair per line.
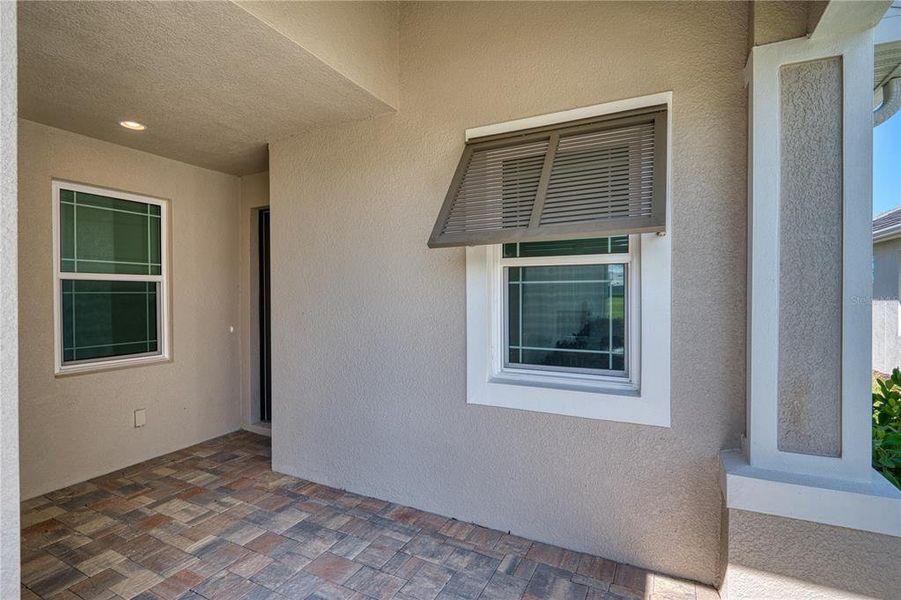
x,y
212,82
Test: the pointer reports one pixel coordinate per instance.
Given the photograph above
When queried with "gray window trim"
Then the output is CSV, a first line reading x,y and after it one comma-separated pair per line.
x,y
654,222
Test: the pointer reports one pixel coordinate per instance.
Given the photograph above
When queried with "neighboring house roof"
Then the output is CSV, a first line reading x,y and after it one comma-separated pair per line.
x,y
887,225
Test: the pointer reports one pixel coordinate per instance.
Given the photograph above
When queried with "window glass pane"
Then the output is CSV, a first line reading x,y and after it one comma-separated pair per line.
x,y
603,245
95,200
67,235
103,319
99,234
569,316
155,241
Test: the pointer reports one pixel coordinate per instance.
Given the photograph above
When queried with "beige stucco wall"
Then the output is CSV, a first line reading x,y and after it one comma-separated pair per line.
x,y
81,426
369,324
777,20
357,39
810,258
254,195
775,557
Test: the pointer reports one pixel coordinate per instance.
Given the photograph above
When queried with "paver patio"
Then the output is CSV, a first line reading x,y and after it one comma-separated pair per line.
x,y
214,521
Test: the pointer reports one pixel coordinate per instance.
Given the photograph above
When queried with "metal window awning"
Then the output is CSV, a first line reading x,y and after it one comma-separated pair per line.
x,y
594,177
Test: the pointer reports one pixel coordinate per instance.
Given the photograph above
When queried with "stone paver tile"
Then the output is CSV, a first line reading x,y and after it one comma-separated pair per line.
x,y
250,565
351,546
512,544
597,568
331,567
376,555
32,517
593,584
504,587
274,575
329,518
63,547
517,566
273,502
141,547
266,543
427,582
632,578
333,591
300,585
464,587
312,539
174,586
101,562
67,595
241,533
168,561
56,581
429,547
27,594
482,537
137,579
226,586
39,566
218,555
98,586
554,584
375,584
371,505
545,553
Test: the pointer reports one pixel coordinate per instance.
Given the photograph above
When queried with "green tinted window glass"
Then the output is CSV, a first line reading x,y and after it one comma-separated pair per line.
x,y
567,316
105,319
604,245
100,234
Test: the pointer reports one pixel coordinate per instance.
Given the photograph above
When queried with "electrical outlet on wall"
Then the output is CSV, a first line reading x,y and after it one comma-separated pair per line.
x,y
140,417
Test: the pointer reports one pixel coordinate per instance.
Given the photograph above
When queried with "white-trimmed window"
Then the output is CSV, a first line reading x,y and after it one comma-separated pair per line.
x,y
570,310
578,322
110,265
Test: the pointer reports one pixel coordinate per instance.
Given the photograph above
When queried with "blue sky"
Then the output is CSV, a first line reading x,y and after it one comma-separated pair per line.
x,y
887,165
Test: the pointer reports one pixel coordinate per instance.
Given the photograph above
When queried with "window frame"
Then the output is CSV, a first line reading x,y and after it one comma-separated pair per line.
x,y
162,280
562,376
647,400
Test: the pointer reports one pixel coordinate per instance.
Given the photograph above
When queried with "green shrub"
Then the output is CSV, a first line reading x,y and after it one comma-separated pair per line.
x,y
887,426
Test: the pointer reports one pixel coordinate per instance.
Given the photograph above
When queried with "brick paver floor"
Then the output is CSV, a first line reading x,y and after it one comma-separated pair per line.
x,y
214,521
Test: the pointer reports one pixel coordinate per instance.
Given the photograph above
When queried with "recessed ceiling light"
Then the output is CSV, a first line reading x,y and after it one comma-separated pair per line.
x,y
133,125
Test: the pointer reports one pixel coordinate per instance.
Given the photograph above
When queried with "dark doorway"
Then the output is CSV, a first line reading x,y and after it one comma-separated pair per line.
x,y
265,322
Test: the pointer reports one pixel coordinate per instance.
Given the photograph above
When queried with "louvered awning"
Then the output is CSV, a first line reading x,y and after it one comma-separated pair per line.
x,y
599,176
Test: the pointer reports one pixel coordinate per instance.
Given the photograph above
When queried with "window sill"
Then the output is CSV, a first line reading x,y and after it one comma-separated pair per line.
x,y
625,405
110,365
873,505
596,385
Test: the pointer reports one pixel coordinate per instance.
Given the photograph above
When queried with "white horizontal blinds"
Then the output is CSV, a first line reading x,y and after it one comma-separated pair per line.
x,y
602,176
497,190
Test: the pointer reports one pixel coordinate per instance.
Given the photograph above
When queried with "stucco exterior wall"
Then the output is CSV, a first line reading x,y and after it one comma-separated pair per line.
x,y
810,254
777,20
886,305
80,426
9,333
357,39
254,195
775,557
369,324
